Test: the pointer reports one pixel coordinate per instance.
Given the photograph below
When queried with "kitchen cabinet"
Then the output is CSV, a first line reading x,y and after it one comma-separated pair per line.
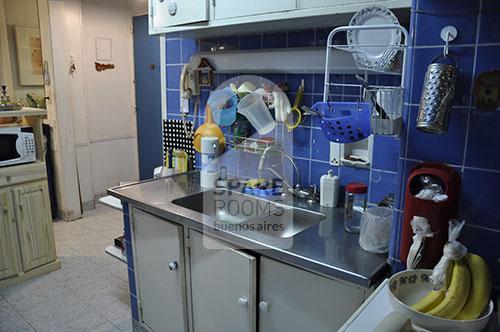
x,y
168,13
160,268
9,253
32,205
292,299
223,286
224,9
308,4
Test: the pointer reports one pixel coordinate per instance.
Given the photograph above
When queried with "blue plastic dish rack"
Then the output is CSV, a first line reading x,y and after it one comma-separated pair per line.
x,y
344,122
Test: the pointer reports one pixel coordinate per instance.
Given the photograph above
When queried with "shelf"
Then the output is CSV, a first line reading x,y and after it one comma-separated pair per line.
x,y
116,253
248,144
25,111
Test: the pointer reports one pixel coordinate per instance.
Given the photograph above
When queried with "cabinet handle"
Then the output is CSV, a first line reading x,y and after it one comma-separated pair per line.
x,y
173,266
243,301
264,306
5,209
172,9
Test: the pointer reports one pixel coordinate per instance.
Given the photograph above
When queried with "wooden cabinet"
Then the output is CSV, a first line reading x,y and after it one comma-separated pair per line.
x,y
223,286
32,205
292,300
9,253
159,263
168,13
225,9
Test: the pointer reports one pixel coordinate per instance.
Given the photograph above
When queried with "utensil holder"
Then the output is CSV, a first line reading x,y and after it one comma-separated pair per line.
x,y
390,99
437,93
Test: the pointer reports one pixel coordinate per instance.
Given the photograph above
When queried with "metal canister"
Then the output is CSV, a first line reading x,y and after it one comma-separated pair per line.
x,y
437,94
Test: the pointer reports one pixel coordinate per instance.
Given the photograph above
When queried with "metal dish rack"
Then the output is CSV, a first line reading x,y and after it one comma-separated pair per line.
x,y
391,123
249,144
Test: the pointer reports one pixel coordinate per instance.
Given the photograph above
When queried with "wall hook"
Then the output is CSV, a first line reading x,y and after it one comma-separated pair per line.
x,y
448,34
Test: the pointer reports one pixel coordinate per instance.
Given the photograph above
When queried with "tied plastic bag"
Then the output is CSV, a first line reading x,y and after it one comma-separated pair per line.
x,y
375,229
422,230
452,251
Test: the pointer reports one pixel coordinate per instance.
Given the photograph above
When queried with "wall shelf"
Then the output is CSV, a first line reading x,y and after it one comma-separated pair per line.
x,y
25,111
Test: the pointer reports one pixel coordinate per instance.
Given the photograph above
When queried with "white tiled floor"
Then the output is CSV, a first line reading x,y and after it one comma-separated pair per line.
x,y
89,292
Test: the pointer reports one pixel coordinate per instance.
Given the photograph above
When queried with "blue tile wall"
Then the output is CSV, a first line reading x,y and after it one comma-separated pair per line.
x,y
470,146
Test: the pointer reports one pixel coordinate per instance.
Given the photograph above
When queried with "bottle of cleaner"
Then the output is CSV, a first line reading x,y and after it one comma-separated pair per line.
x,y
329,189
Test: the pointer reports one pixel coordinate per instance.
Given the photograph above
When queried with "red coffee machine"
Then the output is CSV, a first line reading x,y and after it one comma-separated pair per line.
x,y
438,214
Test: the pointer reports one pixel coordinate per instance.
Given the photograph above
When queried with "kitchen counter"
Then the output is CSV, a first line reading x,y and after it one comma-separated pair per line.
x,y
324,248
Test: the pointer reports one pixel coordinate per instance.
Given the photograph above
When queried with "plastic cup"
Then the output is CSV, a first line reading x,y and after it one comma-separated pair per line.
x,y
223,106
252,106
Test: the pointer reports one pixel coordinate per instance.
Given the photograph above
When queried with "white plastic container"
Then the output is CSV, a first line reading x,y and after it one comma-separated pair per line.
x,y
329,190
252,106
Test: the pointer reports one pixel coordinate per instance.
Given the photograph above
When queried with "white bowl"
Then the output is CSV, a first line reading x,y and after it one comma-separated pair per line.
x,y
407,287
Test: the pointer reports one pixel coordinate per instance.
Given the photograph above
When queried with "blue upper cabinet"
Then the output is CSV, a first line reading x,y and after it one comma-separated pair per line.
x,y
203,18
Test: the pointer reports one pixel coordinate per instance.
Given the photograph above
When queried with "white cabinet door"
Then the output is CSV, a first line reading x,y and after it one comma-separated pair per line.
x,y
158,255
223,286
237,8
307,4
294,300
8,237
166,13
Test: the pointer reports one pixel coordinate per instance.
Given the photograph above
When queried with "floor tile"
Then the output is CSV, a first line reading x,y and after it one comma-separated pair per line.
x,y
15,324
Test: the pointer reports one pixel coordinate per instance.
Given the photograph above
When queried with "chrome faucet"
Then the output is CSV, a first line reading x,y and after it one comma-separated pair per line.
x,y
295,189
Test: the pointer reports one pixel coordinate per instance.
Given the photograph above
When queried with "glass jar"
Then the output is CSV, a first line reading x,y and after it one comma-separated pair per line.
x,y
354,206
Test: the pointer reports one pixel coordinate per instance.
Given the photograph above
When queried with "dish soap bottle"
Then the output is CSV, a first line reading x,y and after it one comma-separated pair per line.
x,y
329,189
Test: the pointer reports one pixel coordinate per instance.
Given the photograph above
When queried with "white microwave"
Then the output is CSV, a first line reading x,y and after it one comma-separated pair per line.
x,y
17,145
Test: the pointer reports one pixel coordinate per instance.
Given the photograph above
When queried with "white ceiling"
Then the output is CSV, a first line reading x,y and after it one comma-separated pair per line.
x,y
139,7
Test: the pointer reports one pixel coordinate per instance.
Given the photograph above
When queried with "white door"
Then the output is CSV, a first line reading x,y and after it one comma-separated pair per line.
x,y
223,286
158,254
294,300
165,13
236,8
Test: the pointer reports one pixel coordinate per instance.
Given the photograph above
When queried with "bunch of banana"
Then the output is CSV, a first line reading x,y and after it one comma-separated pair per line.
x,y
468,287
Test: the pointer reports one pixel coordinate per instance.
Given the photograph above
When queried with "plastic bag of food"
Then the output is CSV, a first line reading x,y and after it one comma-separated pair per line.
x,y
422,230
452,251
375,229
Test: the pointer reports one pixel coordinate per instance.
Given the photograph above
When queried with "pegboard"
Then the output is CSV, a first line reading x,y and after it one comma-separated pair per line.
x,y
174,138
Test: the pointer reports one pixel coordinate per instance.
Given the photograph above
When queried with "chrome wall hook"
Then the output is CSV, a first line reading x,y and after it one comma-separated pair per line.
x,y
448,34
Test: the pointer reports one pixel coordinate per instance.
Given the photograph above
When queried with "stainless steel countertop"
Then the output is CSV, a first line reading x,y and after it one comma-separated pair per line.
x,y
324,248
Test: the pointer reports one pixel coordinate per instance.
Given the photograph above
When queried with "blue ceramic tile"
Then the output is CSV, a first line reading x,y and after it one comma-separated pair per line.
x,y
303,166
381,185
172,35
386,153
487,58
248,164
207,45
351,174
173,48
479,198
319,169
188,49
458,6
448,148
319,83
131,282
275,78
400,185
482,144
274,40
125,208
429,27
320,148
126,226
173,102
484,243
301,142
294,81
251,42
301,38
490,25
228,43
133,307
130,257
230,159
465,58
395,234
173,76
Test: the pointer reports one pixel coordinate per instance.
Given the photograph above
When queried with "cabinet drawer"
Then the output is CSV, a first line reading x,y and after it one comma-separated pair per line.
x,y
167,13
225,9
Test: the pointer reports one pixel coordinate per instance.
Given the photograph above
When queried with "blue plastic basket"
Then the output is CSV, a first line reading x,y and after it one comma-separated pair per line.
x,y
344,122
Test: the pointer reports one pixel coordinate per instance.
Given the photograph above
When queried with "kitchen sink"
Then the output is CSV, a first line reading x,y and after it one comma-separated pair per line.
x,y
250,213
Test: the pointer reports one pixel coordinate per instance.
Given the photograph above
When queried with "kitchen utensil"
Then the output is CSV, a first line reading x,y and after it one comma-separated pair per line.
x,y
223,105
174,138
383,55
209,128
295,111
437,93
244,89
343,122
390,100
371,96
407,287
487,91
252,106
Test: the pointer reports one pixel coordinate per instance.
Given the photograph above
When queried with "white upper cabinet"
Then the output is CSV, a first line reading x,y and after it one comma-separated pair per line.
x,y
306,4
168,13
224,9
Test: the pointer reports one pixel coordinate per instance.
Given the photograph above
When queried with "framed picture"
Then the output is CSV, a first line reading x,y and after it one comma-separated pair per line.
x,y
29,55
